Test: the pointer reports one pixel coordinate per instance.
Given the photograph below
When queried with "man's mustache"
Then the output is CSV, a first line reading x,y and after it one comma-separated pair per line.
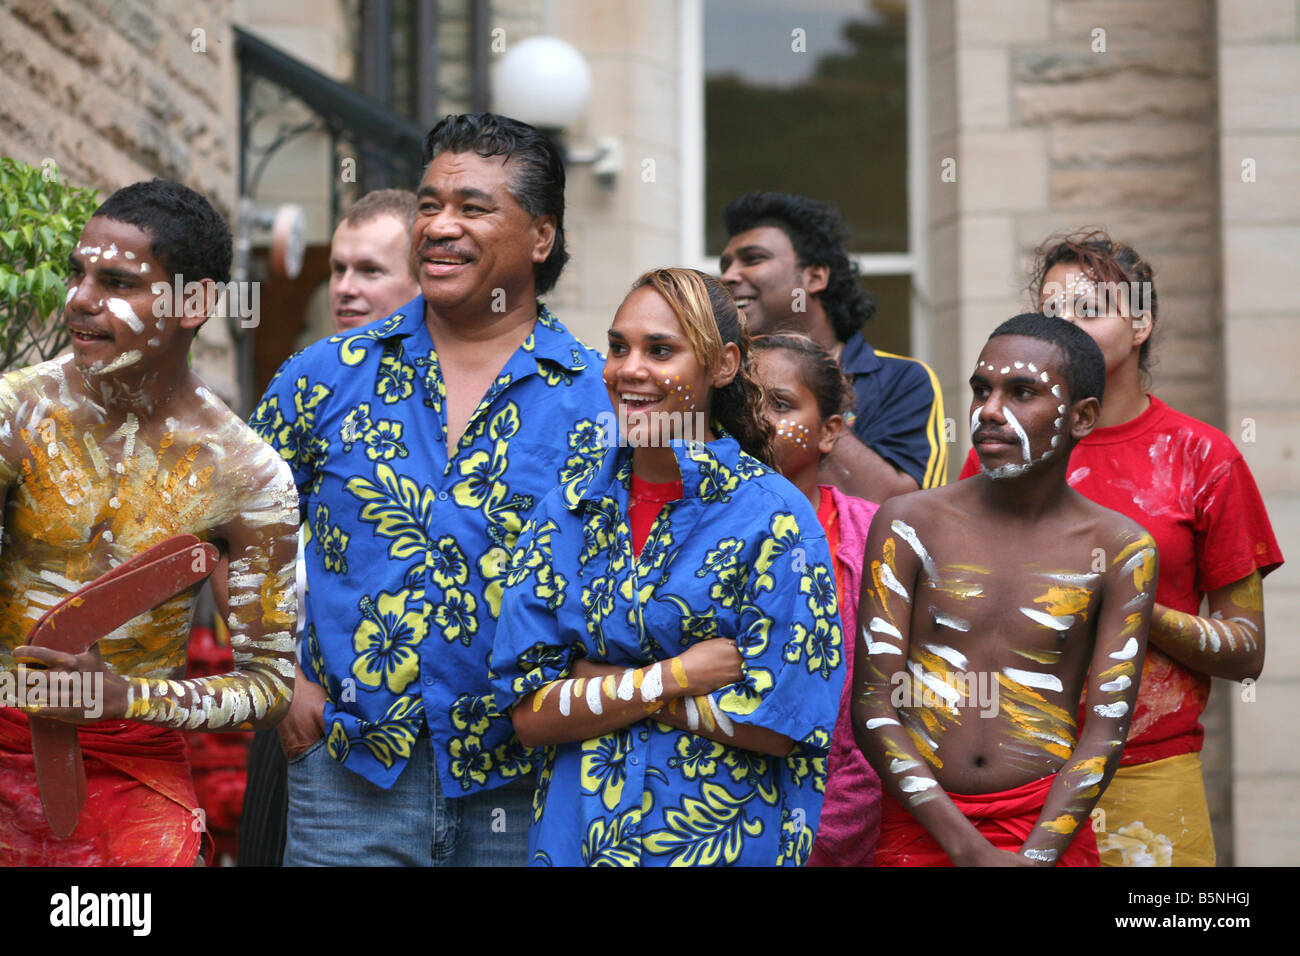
x,y
428,249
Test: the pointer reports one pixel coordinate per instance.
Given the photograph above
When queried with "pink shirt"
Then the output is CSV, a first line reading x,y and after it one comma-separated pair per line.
x,y
850,820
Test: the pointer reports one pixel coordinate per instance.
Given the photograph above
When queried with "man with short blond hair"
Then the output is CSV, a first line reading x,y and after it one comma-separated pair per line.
x,y
371,273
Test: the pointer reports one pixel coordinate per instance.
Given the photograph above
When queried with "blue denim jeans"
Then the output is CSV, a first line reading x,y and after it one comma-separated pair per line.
x,y
338,818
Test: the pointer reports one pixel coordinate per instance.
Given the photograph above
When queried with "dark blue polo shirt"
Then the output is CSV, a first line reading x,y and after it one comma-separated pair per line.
x,y
898,410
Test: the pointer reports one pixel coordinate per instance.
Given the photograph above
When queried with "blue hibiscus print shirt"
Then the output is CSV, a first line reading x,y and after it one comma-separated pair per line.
x,y
407,547
740,555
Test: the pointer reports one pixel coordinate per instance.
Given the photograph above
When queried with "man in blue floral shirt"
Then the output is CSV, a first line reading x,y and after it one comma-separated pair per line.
x,y
419,444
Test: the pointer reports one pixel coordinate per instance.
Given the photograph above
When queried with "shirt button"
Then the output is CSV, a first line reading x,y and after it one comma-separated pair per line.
x,y
633,761
428,682
443,496
644,735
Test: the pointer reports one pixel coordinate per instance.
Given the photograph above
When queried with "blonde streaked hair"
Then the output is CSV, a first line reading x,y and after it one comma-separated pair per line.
x,y
710,320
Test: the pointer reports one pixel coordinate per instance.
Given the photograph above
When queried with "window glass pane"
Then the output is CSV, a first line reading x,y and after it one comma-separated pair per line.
x,y
809,98
889,329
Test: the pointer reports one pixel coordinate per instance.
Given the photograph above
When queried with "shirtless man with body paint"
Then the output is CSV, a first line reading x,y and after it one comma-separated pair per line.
x,y
1014,578
103,454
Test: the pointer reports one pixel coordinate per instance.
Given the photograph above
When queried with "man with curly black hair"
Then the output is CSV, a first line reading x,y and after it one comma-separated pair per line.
x,y
787,266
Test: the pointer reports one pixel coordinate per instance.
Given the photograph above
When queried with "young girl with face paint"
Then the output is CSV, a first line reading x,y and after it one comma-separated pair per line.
x,y
669,628
1186,483
807,395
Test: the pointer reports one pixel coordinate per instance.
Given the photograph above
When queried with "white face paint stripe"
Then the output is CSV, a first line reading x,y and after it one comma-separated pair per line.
x,y
122,309
1020,433
565,702
975,419
875,722
1118,684
916,784
898,766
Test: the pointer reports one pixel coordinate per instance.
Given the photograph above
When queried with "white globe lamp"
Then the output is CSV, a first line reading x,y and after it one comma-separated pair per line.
x,y
544,82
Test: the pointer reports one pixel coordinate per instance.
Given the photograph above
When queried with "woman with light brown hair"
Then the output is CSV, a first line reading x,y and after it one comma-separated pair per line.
x,y
1186,483
669,628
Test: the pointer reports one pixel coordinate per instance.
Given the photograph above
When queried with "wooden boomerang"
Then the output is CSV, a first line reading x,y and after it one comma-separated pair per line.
x,y
73,626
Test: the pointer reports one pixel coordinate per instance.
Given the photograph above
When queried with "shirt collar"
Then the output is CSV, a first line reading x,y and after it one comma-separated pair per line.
x,y
549,341
859,357
552,342
610,474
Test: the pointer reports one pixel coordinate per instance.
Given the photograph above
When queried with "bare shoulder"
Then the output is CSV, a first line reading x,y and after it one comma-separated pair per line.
x,y
921,509
1111,529
246,459
1129,548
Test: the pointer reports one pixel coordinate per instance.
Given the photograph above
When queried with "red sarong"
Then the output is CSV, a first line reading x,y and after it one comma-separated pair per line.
x,y
140,805
1005,819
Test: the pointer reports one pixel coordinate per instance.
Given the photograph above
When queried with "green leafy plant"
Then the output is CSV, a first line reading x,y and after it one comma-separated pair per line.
x,y
40,220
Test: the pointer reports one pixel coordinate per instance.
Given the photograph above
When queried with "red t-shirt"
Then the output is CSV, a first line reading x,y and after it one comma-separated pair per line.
x,y
647,500
1185,483
829,516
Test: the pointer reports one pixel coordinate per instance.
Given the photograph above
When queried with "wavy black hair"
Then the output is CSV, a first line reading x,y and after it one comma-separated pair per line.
x,y
819,236
537,183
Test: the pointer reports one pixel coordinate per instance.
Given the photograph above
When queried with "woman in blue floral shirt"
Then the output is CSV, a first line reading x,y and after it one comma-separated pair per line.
x,y
669,629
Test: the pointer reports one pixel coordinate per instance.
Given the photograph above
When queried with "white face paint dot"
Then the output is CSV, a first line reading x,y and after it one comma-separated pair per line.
x,y
1020,365
1033,367
1043,376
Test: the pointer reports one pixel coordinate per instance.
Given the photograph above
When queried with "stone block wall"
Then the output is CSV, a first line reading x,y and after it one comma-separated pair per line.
x,y
1061,114
117,92
1259,171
